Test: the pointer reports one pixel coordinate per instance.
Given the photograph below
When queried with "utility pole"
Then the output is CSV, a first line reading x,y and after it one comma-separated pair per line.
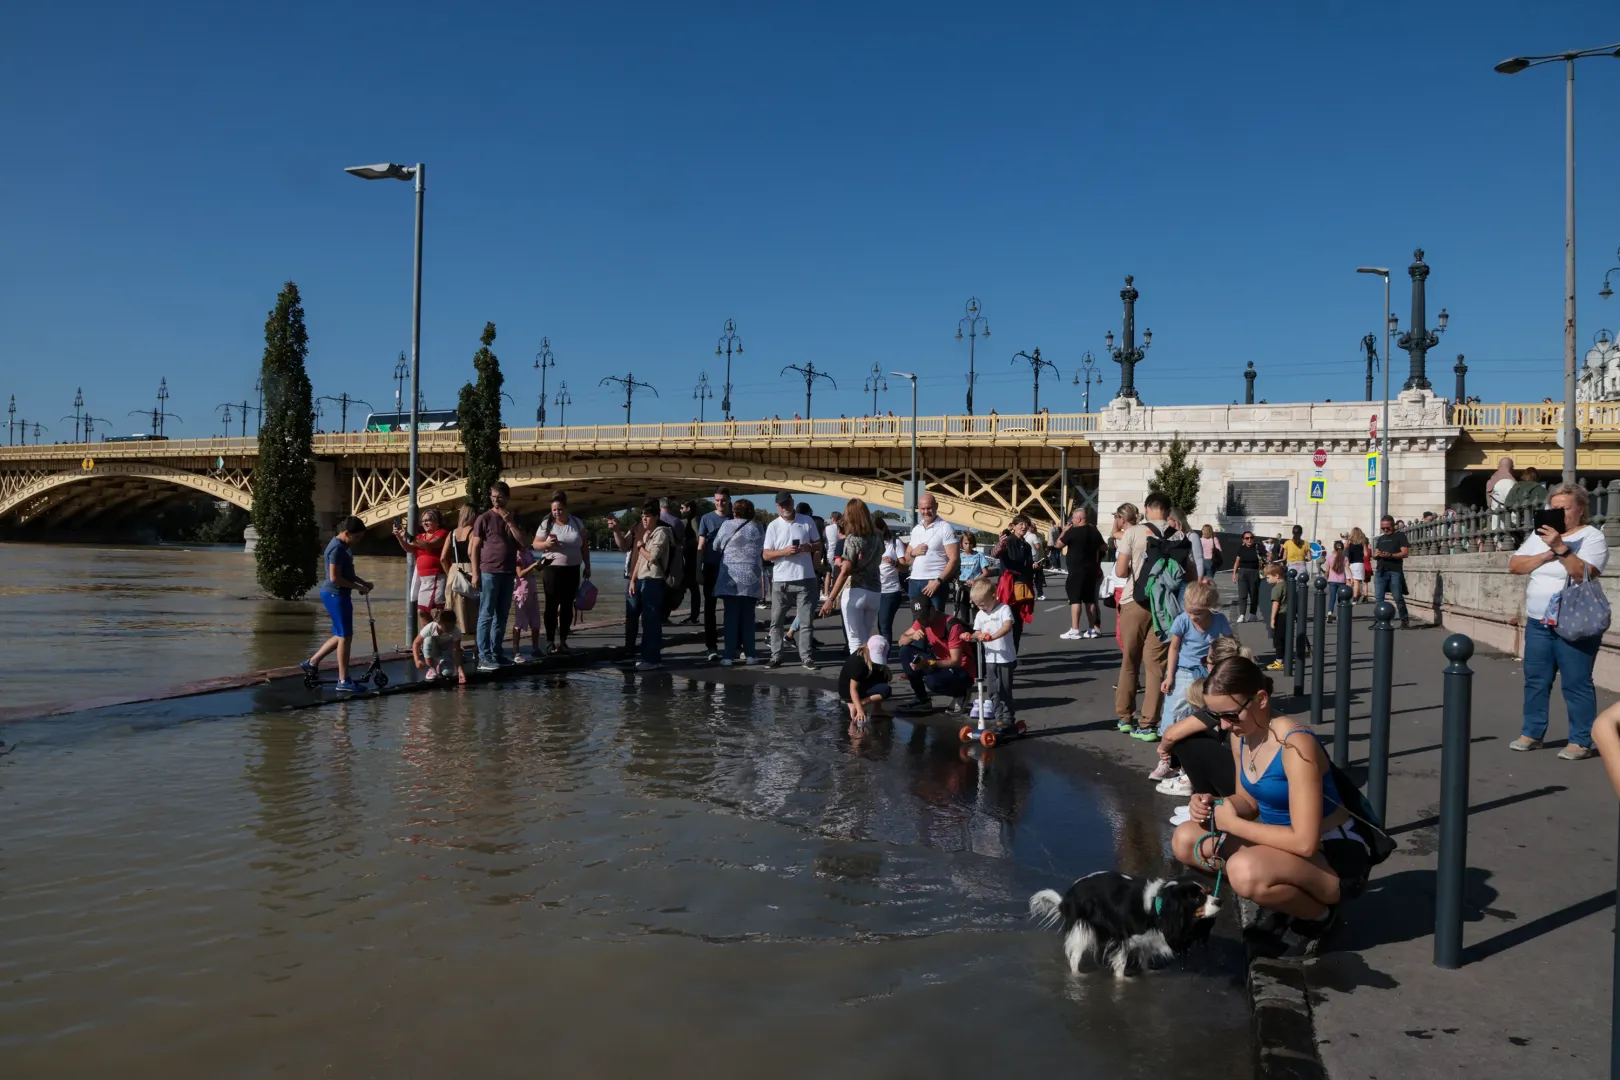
x,y
810,375
344,400
631,384
1035,365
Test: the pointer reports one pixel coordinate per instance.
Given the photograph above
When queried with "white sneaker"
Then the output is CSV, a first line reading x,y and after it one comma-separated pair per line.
x,y
973,713
1181,816
1162,771
432,673
1092,633
1179,786
1070,635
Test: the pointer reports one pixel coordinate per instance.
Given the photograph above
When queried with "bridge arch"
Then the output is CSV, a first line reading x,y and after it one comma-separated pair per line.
x,y
635,477
44,492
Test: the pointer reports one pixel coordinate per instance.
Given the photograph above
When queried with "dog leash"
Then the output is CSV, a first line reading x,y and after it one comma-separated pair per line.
x,y
1217,862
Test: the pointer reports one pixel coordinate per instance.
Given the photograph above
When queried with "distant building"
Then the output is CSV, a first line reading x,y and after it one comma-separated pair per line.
x,y
1600,375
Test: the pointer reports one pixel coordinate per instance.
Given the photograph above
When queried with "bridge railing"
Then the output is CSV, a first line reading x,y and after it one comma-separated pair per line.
x,y
1504,528
1540,417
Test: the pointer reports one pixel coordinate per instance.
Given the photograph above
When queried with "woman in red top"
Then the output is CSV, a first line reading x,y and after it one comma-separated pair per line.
x,y
430,592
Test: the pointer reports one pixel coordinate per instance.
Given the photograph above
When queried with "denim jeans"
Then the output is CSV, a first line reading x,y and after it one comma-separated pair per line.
x,y
1176,707
739,627
646,607
494,604
788,597
1545,655
1334,589
888,607
1391,580
952,682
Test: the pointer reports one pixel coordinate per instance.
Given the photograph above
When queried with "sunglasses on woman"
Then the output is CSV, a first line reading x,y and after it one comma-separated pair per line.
x,y
1230,717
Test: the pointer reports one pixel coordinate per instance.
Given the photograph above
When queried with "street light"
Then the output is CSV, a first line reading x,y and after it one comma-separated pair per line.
x,y
543,360
1607,292
875,383
631,384
418,173
1035,365
1127,356
402,371
1513,66
344,400
11,420
1083,377
78,408
562,401
1383,456
227,406
728,339
972,321
701,393
911,492
810,375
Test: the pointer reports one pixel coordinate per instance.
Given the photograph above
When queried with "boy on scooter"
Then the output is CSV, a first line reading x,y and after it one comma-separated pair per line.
x,y
335,589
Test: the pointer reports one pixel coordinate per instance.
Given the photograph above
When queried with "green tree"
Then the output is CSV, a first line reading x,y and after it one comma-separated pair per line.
x,y
478,412
1177,478
284,480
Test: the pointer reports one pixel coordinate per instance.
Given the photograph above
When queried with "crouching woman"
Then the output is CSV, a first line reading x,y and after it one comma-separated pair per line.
x,y
1283,834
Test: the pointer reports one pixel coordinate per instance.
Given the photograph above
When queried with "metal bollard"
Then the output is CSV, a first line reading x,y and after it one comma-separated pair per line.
x,y
1288,622
1318,650
1383,673
1302,619
1454,749
1341,685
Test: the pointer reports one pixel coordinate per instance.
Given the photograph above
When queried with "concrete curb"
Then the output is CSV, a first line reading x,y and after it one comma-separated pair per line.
x,y
1284,1031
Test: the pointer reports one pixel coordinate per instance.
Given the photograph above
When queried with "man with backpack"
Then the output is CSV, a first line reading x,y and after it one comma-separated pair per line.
x,y
1153,561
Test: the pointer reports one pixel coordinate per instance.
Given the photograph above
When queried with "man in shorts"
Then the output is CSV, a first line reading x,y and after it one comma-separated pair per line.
x,y
336,587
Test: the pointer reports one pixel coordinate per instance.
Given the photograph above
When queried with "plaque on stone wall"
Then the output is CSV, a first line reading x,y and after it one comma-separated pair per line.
x,y
1257,498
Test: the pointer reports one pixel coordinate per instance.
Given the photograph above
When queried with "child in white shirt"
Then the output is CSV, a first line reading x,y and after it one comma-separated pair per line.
x,y
993,625
437,647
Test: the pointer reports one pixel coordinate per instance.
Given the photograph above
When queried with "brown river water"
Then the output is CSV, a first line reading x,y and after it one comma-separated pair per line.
x,y
596,875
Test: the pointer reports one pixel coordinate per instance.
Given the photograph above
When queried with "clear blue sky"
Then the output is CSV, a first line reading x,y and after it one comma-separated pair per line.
x,y
624,177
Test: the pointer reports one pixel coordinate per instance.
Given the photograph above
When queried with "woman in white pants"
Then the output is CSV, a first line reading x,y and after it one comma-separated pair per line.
x,y
857,585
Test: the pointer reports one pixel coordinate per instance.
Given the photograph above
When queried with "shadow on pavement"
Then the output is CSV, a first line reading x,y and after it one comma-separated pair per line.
x,y
1492,804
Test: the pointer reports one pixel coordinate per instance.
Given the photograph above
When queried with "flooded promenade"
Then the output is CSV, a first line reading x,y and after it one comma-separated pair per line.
x,y
596,872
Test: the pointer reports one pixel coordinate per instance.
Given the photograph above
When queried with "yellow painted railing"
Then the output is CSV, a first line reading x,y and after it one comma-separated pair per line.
x,y
1545,417
1023,429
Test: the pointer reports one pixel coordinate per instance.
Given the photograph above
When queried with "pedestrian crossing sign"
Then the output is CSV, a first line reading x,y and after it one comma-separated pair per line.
x,y
1372,470
1318,491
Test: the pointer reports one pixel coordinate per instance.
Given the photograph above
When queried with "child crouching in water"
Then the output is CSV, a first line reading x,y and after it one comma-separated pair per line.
x,y
863,681
1191,635
437,647
993,625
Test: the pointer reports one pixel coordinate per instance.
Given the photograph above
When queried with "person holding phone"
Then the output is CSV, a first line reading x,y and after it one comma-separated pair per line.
x,y
1564,548
1390,551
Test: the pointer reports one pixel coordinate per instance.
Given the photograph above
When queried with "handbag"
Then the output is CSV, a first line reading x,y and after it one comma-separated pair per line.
x,y
460,582
1583,609
585,599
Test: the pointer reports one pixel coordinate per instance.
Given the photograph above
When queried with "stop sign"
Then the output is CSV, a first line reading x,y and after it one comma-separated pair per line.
x,y
1319,458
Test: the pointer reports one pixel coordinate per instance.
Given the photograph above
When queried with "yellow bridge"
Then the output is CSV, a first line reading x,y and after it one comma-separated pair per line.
x,y
983,469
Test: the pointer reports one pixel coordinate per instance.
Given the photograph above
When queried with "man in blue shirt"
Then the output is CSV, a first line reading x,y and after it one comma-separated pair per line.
x,y
339,578
708,527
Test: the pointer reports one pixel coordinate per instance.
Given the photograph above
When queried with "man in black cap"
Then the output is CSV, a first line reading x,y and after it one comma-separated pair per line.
x,y
935,656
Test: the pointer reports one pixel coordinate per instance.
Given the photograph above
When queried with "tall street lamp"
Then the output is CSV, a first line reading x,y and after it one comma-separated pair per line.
x,y
78,409
729,343
1035,365
874,383
1513,66
1127,356
226,408
810,375
1607,292
911,492
418,173
1387,317
976,327
562,401
543,360
344,400
1086,376
701,393
402,371
11,421
1417,341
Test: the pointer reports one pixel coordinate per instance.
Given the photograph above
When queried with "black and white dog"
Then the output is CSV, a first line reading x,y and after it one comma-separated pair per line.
x,y
1122,920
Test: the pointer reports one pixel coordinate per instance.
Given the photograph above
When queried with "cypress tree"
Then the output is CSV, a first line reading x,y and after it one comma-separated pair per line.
x,y
478,413
1177,478
284,481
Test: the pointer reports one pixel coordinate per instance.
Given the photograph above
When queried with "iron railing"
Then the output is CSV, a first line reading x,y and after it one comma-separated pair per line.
x,y
1504,529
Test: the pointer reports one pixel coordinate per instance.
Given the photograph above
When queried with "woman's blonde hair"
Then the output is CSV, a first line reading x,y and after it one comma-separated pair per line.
x,y
1582,502
466,516
1357,536
1129,512
1222,648
1200,596
1208,532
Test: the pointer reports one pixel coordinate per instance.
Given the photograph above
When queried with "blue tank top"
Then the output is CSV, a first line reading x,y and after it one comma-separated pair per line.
x,y
1270,792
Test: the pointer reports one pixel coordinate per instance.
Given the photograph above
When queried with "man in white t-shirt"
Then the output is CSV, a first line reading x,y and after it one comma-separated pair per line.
x,y
791,542
833,537
932,552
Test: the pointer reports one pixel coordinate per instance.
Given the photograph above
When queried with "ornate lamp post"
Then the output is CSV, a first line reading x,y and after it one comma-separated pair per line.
x,y
1127,356
729,342
1035,365
78,409
810,375
877,382
1420,339
1249,375
1085,376
976,327
1607,292
543,360
11,421
701,393
402,371
562,401
631,384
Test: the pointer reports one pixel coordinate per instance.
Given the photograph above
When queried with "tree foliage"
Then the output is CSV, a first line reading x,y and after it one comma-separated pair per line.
x,y
284,480
478,413
1177,478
